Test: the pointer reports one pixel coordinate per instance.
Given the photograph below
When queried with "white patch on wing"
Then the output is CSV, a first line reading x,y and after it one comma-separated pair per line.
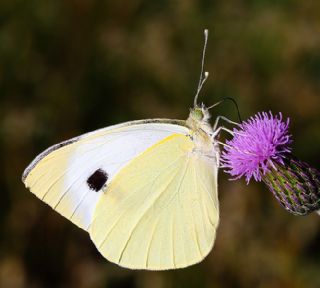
x,y
110,155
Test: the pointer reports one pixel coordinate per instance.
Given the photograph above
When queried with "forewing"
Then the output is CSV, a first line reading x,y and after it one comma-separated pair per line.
x,y
161,210
70,176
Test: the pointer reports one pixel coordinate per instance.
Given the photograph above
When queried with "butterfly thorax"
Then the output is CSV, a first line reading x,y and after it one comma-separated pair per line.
x,y
201,132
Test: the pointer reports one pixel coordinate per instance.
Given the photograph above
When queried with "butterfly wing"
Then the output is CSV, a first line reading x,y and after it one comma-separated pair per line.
x,y
70,176
161,210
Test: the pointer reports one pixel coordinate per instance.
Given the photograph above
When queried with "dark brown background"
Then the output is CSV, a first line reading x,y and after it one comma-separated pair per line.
x,y
68,67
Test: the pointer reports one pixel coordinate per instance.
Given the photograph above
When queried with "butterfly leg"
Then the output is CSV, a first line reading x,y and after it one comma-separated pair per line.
x,y
222,128
215,133
220,117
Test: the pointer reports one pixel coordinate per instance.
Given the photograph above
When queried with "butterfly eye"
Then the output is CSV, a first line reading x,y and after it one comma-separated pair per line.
x,y
97,180
197,114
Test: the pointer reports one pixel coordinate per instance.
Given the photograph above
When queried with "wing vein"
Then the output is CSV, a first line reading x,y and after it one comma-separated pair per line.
x,y
195,235
172,242
150,242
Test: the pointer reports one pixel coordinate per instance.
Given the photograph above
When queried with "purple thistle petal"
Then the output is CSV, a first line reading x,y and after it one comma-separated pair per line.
x,y
260,142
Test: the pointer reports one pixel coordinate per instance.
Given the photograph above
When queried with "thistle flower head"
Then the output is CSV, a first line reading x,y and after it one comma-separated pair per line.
x,y
260,149
256,145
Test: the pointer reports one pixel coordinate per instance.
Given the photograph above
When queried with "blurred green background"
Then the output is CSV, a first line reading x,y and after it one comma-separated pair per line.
x,y
68,67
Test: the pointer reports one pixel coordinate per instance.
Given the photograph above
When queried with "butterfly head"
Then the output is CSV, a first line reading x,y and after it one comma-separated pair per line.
x,y
200,114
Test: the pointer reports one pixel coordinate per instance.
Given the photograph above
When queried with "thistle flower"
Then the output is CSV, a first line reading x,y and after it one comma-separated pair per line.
x,y
260,149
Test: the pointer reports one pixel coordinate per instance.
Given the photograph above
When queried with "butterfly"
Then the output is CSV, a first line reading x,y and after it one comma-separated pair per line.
x,y
145,191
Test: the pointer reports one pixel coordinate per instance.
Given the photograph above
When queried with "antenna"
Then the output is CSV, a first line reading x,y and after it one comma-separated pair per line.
x,y
230,99
203,76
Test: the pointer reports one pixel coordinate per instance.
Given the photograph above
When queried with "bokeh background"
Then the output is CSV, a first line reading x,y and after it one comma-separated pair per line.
x,y
68,67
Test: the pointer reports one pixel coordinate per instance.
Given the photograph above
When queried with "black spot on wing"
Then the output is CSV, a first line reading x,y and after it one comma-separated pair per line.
x,y
97,180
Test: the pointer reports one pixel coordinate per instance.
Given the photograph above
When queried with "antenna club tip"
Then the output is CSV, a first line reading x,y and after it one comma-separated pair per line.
x,y
206,31
206,74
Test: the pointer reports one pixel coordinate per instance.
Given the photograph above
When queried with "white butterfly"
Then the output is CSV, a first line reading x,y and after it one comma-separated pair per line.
x,y
146,191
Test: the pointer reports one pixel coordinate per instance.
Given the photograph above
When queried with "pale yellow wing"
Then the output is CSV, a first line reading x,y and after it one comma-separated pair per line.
x,y
70,176
161,210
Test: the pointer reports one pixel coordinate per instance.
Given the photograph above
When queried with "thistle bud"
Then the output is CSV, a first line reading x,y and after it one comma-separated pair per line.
x,y
295,185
